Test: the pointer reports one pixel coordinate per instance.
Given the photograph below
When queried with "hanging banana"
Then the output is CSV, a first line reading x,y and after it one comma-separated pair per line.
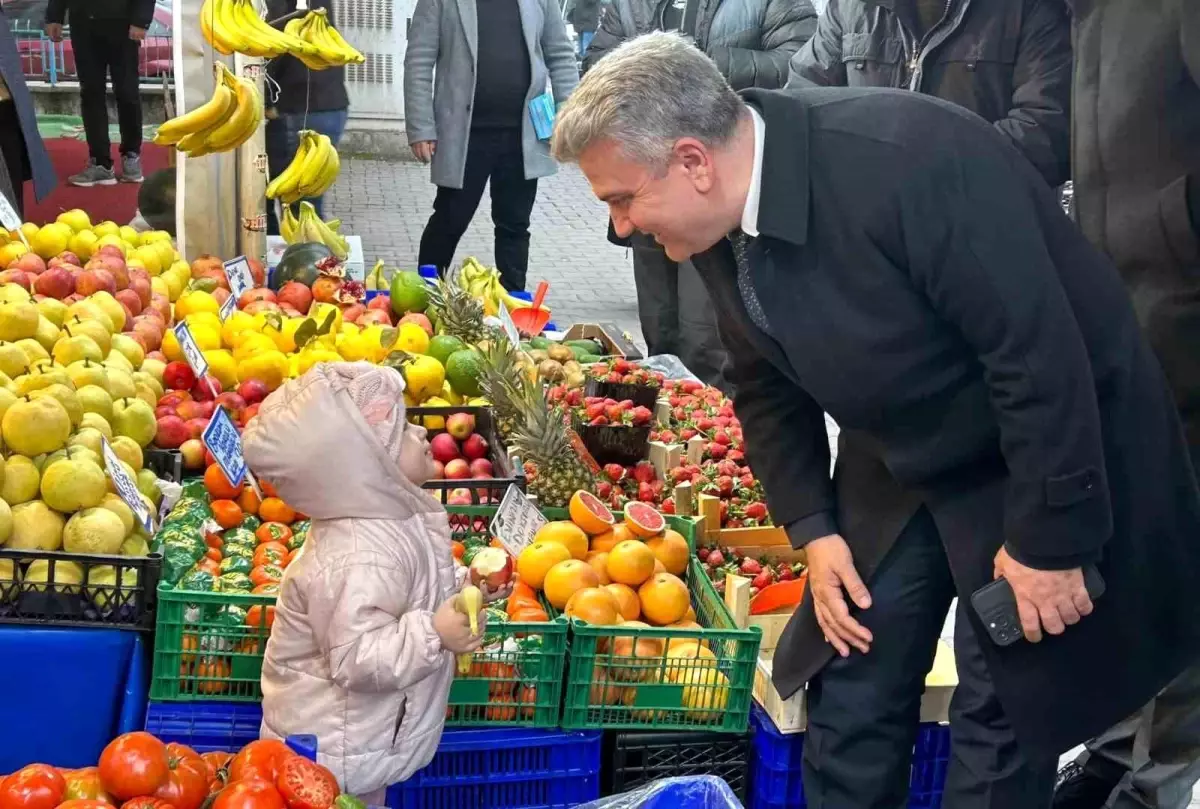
x,y
311,172
236,26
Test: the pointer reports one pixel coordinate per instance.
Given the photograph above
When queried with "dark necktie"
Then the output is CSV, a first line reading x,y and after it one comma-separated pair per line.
x,y
741,251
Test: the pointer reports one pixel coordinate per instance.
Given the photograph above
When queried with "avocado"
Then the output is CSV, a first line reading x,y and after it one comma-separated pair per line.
x,y
589,359
540,342
586,346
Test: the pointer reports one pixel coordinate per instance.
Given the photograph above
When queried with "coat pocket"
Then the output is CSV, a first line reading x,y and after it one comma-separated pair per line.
x,y
872,60
1067,490
400,714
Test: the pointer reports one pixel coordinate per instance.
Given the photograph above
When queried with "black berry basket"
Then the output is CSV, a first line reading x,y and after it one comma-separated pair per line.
x,y
635,759
506,470
166,464
51,588
622,444
644,395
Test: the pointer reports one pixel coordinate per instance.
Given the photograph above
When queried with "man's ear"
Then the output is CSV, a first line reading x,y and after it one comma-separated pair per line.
x,y
694,158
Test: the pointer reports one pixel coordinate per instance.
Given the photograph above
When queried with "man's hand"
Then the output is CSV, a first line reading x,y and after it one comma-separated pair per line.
x,y
54,31
423,150
137,34
1050,599
830,570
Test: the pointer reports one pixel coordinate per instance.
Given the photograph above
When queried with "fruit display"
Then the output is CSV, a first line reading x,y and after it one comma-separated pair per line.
x,y
599,411
139,771
311,172
483,283
762,571
308,227
332,49
620,371
562,362
234,26
462,452
224,122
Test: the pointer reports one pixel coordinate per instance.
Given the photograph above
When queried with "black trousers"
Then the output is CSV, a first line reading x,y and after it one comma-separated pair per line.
x,y
102,47
494,155
863,710
14,154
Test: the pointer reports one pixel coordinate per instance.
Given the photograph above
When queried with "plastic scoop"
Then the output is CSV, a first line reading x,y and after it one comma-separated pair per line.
x,y
533,318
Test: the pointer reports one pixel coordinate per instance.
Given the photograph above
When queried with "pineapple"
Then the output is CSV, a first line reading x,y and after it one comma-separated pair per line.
x,y
540,438
458,312
502,384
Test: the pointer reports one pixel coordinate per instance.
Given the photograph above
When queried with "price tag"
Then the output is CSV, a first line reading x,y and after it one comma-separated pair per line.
x,y
223,441
191,351
127,488
9,218
510,328
237,271
516,522
227,308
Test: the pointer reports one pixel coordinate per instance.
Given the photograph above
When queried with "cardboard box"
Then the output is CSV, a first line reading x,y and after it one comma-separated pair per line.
x,y
355,264
791,716
613,340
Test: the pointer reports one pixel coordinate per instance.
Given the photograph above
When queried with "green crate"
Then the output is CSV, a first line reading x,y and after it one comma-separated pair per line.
x,y
518,684
204,649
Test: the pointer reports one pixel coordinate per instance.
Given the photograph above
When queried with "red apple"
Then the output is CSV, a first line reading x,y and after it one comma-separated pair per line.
x,y
221,295
55,282
149,330
460,425
178,376
250,412
383,302
457,469
444,448
193,453
420,320
206,389
172,432
481,468
157,355
90,281
459,497
165,410
161,303
207,408
130,299
375,316
290,311
353,312
254,307
296,295
196,427
255,294
174,398
187,410
139,282
114,262
15,276
257,271
476,446
253,391
439,470
492,567
233,404
29,262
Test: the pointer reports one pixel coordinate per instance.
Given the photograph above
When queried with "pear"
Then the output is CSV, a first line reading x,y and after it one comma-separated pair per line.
x,y
97,422
128,451
7,398
44,377
88,437
134,418
90,328
72,485
18,321
47,333
155,368
21,480
130,349
13,293
146,394
6,527
37,426
117,506
147,483
13,361
66,397
93,530
143,378
95,398
121,385
76,348
112,486
33,350
37,527
111,307
53,310
87,310
88,372
133,545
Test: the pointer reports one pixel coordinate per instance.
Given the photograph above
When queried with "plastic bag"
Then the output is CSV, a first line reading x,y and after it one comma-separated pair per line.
x,y
669,366
693,792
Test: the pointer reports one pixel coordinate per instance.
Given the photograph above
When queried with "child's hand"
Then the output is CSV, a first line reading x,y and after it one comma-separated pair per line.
x,y
455,629
490,595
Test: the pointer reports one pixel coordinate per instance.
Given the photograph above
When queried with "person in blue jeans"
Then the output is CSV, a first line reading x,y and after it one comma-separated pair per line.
x,y
307,99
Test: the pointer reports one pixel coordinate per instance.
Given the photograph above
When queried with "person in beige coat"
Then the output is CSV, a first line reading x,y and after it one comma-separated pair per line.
x,y
366,628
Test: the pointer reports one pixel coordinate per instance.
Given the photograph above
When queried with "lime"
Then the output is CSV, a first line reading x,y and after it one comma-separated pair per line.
x,y
443,345
409,293
463,370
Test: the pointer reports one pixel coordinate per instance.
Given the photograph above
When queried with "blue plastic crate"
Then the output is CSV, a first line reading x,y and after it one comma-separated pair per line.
x,y
505,769
775,775
206,727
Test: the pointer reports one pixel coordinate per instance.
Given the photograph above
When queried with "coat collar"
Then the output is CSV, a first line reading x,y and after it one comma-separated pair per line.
x,y
784,202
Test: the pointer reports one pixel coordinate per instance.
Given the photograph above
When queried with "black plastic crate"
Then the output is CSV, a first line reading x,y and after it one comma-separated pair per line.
x,y
644,395
506,471
622,444
166,464
635,759
80,589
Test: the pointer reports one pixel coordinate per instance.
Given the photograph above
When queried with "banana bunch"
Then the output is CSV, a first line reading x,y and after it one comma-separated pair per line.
x,y
331,49
484,284
311,172
234,26
308,227
224,122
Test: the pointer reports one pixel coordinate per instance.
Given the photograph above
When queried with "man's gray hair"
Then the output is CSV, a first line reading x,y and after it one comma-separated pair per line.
x,y
644,96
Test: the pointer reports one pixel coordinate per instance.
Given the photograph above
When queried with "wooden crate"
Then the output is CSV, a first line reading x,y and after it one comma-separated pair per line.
x,y
613,339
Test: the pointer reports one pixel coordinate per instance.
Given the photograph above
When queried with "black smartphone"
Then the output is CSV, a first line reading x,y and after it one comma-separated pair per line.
x,y
996,606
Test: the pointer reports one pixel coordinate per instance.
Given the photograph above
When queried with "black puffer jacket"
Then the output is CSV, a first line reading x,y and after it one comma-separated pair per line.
x,y
1008,62
750,40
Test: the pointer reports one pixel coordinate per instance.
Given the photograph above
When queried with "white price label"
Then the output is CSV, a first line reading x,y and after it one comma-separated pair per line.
x,y
8,214
510,328
126,486
191,351
223,441
237,272
517,520
227,308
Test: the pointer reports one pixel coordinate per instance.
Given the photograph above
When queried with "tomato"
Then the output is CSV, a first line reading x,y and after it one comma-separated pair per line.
x,y
259,760
306,784
84,785
217,762
209,565
251,794
83,803
254,617
187,783
37,786
268,589
271,553
266,574
134,765
273,532
146,803
213,540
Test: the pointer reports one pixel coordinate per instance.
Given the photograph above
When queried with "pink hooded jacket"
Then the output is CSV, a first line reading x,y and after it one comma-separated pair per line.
x,y
353,657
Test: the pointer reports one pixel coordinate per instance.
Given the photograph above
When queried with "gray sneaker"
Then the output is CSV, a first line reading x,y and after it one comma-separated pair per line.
x,y
131,168
94,174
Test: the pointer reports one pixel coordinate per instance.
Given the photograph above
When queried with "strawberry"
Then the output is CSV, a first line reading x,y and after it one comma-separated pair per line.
x,y
614,471
644,472
614,413
641,415
603,489
717,451
667,437
668,506
751,567
615,378
721,437
757,511
680,473
688,433
599,421
646,493
594,410
715,558
785,573
763,579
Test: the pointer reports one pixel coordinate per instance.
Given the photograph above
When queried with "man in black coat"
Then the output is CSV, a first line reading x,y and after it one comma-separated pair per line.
x,y
890,259
106,36
22,153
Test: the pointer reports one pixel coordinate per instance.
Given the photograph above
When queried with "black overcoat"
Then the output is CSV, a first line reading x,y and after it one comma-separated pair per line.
x,y
925,289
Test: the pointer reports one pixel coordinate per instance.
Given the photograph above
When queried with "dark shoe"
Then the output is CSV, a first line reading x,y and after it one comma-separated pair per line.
x,y
131,168
1081,787
94,174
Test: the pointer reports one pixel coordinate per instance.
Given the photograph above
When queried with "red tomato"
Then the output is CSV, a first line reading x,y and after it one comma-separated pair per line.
x,y
271,553
251,794
266,574
187,783
259,760
37,786
83,803
305,784
268,589
134,765
146,803
216,762
255,617
84,785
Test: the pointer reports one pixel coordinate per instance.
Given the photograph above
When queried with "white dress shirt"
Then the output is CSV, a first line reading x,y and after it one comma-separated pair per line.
x,y
750,211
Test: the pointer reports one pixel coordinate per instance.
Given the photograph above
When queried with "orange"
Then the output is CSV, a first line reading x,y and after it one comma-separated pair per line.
x,y
529,614
690,615
567,578
665,599
659,567
249,501
604,691
227,513
275,510
599,562
672,550
631,562
643,655
610,539
644,519
565,533
218,486
594,605
536,560
631,607
589,513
